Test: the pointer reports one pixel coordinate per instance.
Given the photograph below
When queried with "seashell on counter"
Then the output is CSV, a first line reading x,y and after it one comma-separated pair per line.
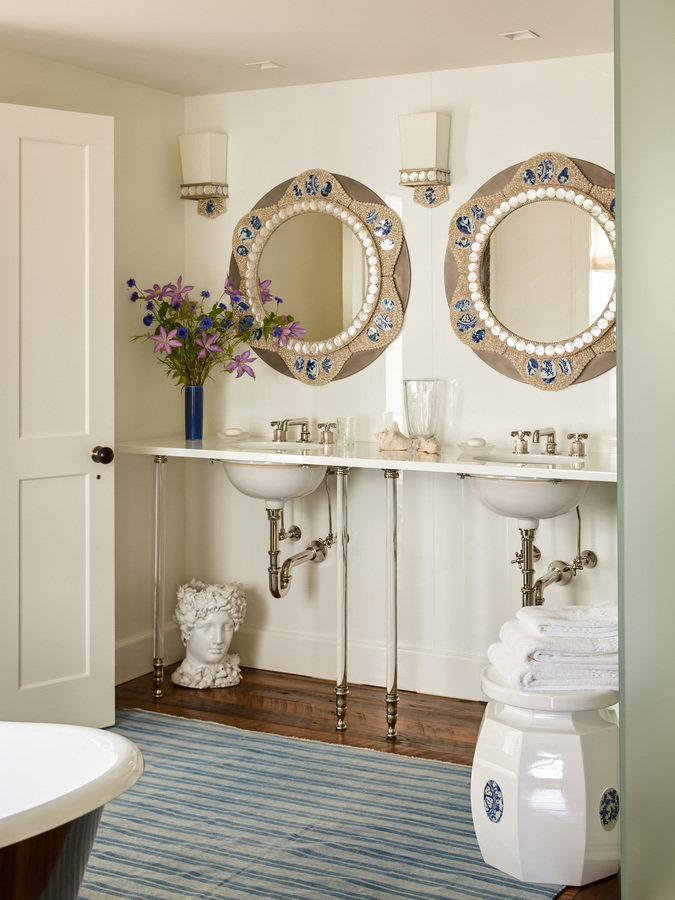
x,y
427,445
392,439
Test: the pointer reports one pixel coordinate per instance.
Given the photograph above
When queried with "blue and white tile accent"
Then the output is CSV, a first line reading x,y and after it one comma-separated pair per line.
x,y
609,809
384,321
312,369
466,322
493,801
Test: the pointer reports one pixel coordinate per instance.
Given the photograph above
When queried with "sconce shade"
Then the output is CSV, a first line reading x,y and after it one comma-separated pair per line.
x,y
425,146
203,159
425,140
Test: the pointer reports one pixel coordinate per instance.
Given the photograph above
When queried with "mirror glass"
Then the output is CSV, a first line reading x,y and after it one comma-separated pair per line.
x,y
551,271
334,253
318,268
530,271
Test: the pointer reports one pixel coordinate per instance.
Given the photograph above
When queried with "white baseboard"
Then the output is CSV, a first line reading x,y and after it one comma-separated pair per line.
x,y
133,656
421,670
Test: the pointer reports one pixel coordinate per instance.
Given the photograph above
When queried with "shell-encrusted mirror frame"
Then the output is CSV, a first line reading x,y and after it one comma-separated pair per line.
x,y
379,231
544,177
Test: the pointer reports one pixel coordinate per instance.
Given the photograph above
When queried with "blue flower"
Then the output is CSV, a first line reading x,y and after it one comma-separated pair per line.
x,y
205,294
149,319
182,333
131,282
134,297
149,305
206,323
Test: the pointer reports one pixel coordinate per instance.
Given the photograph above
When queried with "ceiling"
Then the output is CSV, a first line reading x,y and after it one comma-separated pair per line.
x,y
191,47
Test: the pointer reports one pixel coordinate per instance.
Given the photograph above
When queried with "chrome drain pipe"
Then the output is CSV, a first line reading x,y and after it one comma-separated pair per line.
x,y
280,575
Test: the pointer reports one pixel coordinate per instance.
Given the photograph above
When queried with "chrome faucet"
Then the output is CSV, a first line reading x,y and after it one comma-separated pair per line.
x,y
549,433
281,429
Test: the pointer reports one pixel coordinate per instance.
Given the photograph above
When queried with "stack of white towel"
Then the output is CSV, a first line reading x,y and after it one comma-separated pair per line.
x,y
559,648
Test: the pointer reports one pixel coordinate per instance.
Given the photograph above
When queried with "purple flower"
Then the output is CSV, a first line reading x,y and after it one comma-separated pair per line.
x,y
232,292
208,344
178,292
164,341
156,292
241,364
265,292
289,330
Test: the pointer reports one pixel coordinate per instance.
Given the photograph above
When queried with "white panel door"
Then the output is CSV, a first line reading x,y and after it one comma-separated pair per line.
x,y
56,404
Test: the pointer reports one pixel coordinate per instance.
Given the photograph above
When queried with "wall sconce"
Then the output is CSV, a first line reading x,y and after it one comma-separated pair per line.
x,y
203,159
425,145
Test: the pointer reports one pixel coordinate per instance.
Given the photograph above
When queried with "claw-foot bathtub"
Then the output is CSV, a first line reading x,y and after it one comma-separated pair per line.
x,y
54,782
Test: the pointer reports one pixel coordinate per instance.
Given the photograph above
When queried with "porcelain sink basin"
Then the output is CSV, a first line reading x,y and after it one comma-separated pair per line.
x,y
528,499
274,482
542,460
265,446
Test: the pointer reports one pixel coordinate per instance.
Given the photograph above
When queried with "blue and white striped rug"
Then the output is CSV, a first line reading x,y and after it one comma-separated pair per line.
x,y
226,814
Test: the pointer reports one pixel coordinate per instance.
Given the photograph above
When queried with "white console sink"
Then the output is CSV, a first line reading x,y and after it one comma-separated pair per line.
x,y
274,482
528,499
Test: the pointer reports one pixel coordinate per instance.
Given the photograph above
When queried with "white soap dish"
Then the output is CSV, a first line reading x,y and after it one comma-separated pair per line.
x,y
473,448
232,434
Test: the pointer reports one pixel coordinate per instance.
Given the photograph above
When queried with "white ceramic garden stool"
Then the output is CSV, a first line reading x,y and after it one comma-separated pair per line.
x,y
545,783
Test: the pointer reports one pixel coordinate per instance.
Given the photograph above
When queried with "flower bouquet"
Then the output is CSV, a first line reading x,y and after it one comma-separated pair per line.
x,y
191,337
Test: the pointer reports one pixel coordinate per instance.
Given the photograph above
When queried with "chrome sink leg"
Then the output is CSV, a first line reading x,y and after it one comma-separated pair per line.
x,y
341,687
391,697
158,601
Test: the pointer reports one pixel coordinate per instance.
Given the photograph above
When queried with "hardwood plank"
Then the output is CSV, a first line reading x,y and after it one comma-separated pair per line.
x,y
429,727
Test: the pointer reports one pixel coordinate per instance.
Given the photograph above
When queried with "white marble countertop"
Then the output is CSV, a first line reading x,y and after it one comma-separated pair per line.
x,y
453,459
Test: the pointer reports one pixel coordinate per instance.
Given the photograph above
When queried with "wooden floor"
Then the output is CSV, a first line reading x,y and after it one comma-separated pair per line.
x,y
430,727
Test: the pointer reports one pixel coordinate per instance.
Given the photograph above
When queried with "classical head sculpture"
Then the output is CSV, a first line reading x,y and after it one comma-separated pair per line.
x,y
208,616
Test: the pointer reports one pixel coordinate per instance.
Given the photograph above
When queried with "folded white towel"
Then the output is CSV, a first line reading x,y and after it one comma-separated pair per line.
x,y
595,620
547,677
529,646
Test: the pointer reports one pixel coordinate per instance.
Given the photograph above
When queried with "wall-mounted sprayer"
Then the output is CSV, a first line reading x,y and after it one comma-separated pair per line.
x,y
316,551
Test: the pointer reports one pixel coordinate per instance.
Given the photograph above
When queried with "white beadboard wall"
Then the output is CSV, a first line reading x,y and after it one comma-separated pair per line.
x,y
456,581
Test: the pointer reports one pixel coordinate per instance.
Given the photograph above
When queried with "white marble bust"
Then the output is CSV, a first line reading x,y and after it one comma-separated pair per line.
x,y
208,616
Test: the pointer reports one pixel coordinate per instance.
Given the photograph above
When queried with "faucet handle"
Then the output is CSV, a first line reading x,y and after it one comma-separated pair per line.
x,y
520,443
577,447
279,431
326,435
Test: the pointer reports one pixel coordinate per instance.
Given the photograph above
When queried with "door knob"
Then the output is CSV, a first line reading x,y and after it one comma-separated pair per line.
x,y
102,455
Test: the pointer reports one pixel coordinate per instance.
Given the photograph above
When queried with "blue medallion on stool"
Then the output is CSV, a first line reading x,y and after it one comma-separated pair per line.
x,y
609,808
493,800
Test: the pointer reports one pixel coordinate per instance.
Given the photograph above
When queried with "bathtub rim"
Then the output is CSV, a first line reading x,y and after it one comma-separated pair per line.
x,y
124,772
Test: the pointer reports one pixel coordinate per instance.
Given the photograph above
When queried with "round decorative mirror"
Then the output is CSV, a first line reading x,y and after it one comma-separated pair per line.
x,y
530,283
335,255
